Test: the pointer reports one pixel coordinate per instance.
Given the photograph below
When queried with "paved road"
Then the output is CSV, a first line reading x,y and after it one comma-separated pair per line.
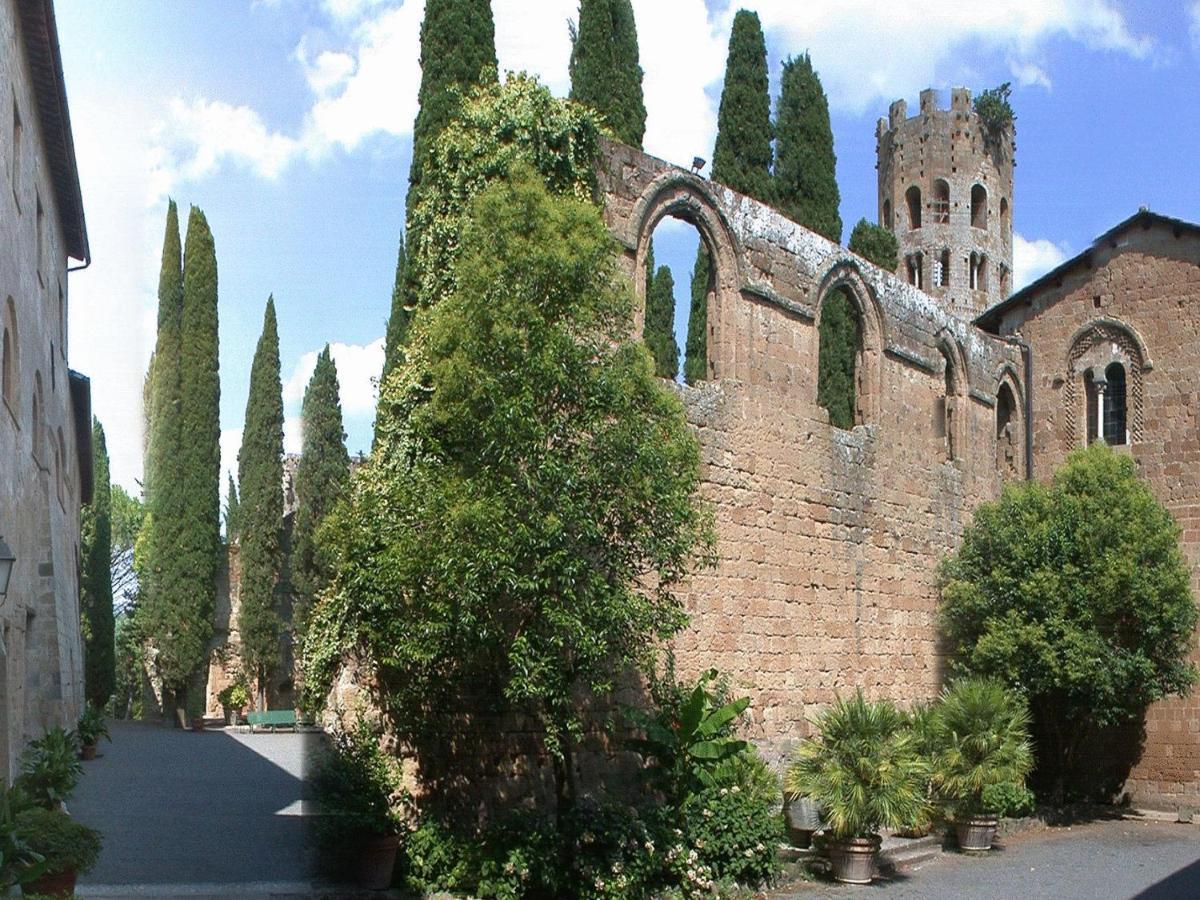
x,y
1098,861
204,808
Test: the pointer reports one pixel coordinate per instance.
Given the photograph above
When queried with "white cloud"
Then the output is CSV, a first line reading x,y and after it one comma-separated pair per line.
x,y
533,37
1029,73
1033,259
359,367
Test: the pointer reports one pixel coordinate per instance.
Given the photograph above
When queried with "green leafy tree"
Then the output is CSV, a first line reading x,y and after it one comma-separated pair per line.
x,y
806,188
1076,594
517,538
233,512
840,334
397,323
875,244
321,479
659,330
128,513
260,477
695,361
742,156
605,70
97,600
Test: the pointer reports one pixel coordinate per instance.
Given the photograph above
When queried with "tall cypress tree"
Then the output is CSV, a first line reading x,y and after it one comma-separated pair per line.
x,y
741,160
660,324
97,601
398,319
605,70
806,188
260,477
321,477
232,511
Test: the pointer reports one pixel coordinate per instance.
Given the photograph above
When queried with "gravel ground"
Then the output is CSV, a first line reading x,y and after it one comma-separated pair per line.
x,y
1096,861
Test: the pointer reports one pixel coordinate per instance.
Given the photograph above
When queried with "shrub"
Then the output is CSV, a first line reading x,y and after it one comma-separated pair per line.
x,y
66,845
1008,799
50,768
436,858
735,833
91,726
19,863
235,696
983,741
862,768
1077,595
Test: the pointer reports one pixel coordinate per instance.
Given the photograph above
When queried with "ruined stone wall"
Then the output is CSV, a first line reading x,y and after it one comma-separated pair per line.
x,y
827,539
41,677
1135,304
953,146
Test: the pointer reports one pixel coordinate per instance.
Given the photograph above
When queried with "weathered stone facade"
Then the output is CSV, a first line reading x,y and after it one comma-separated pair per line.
x,y
45,418
1131,301
946,191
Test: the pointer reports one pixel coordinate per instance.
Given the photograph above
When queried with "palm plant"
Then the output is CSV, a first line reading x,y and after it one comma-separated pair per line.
x,y
923,722
91,726
863,768
50,768
983,741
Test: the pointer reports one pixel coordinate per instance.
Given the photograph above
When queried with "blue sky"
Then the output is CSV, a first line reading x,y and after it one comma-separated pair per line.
x,y
289,122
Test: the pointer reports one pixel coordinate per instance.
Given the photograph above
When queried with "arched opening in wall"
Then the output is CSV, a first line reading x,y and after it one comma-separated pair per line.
x,y
1008,433
1003,281
939,207
979,206
1091,393
887,214
839,353
61,451
39,425
978,266
1004,218
912,197
915,263
941,269
679,279
947,408
1116,433
9,350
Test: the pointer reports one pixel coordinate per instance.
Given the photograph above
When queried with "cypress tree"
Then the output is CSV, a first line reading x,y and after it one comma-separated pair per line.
x,y
839,336
742,156
321,476
260,476
232,512
188,573
695,362
660,324
97,600
397,324
876,244
806,188
606,73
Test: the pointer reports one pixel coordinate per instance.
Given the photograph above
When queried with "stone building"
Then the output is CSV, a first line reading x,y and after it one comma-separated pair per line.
x,y
45,408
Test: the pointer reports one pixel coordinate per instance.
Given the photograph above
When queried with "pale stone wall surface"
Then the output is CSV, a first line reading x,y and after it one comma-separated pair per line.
x,y
1136,304
41,679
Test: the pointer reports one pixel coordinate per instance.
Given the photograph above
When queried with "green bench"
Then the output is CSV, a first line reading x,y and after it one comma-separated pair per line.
x,y
273,719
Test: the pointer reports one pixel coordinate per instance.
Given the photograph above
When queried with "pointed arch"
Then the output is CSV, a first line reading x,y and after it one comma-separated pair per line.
x,y
844,278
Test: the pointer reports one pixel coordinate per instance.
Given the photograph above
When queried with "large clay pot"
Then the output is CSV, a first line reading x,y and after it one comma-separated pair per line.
x,y
61,884
87,751
854,859
197,723
803,816
376,862
976,832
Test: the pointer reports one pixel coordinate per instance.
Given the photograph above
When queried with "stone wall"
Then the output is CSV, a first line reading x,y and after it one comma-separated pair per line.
x,y
41,677
827,539
1131,299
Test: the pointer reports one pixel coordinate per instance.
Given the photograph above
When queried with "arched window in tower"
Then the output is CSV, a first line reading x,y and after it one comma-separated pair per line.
x,y
941,269
840,336
39,424
973,267
915,263
60,455
1091,393
940,207
887,214
979,206
913,198
1004,217
1115,432
948,409
1003,280
9,349
1008,438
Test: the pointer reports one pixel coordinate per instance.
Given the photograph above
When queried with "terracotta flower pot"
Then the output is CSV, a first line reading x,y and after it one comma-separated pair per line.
x,y
976,832
88,751
197,723
854,859
376,862
61,884
803,816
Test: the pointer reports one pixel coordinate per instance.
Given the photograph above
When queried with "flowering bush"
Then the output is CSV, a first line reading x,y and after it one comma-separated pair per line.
x,y
735,834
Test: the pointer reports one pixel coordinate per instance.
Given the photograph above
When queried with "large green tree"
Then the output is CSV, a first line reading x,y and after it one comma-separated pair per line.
x,y
1075,593
695,360
96,603
515,542
839,334
260,510
876,244
321,479
805,183
606,73
128,513
233,511
659,330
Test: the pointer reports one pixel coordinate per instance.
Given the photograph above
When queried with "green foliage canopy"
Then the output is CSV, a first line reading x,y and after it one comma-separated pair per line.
x,y
840,334
1076,594
397,323
659,330
605,71
96,604
875,244
742,156
695,361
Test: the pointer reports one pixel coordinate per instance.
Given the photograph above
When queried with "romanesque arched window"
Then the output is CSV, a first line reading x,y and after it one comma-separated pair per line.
x,y
1004,217
1115,405
939,207
941,269
1008,433
840,335
912,197
979,206
947,407
39,423
916,263
1104,384
9,355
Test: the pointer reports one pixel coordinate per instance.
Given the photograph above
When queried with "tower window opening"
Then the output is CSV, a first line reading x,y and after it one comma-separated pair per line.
x,y
978,266
887,214
1004,218
948,409
941,269
1114,407
913,198
940,205
979,206
914,270
1003,280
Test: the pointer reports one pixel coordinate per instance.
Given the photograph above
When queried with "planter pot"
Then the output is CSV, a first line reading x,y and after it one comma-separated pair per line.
x,y
233,717
803,817
88,751
376,862
198,723
976,832
61,884
854,859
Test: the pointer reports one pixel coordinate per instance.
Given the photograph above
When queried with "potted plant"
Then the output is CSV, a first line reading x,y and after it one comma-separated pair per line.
x,y
50,768
67,848
359,790
90,729
922,720
234,699
19,863
983,737
863,768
